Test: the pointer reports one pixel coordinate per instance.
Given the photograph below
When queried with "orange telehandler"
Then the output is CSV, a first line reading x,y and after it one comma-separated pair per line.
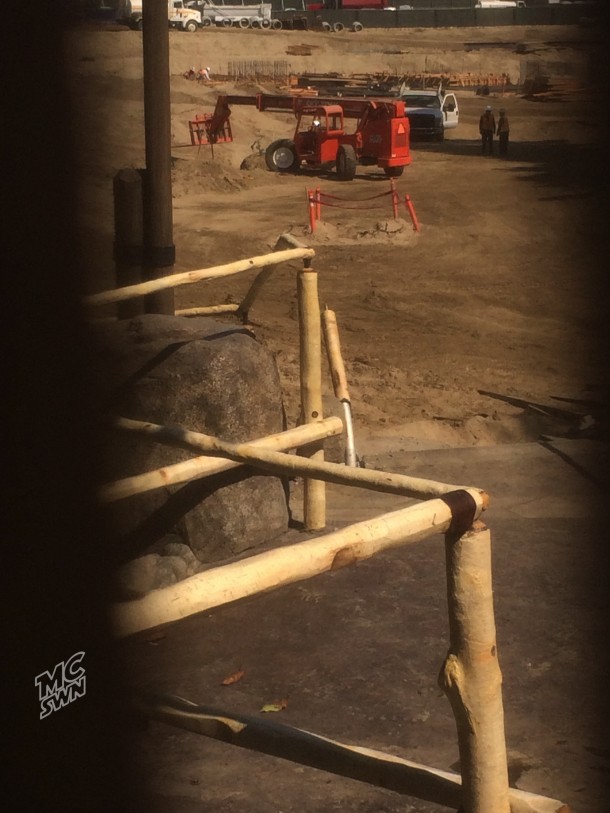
x,y
381,135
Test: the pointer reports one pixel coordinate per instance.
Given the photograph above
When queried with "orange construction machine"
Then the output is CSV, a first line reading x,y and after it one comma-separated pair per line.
x,y
380,137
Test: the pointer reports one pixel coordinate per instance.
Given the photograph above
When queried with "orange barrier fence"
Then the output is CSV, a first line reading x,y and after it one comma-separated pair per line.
x,y
316,199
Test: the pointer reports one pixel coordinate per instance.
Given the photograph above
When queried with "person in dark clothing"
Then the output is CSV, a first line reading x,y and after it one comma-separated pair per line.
x,y
487,128
503,131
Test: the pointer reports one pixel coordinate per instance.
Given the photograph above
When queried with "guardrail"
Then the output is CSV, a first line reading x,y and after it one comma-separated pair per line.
x,y
470,675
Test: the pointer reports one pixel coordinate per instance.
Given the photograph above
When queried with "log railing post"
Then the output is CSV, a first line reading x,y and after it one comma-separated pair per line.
x,y
471,675
310,338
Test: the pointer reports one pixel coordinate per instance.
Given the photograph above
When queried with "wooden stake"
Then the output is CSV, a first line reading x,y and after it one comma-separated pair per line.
x,y
296,465
314,505
471,674
356,762
206,466
189,277
285,565
339,379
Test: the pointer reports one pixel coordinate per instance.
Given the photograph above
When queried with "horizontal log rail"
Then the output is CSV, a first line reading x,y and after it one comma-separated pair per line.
x,y
205,466
287,564
305,748
294,465
189,277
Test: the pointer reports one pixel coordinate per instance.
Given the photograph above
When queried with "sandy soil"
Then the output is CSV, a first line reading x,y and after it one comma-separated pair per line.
x,y
494,292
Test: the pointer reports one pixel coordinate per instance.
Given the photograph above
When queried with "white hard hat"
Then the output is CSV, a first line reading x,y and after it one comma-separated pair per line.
x,y
208,68
488,108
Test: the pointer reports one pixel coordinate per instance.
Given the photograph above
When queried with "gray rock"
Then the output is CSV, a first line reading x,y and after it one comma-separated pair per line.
x,y
137,577
208,377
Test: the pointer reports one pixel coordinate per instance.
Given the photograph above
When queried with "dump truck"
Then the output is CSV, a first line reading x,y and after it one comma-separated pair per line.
x,y
380,136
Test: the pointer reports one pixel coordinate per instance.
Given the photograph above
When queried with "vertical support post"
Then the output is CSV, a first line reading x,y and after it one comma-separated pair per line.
x,y
314,501
471,675
312,210
159,249
318,203
128,237
411,210
394,198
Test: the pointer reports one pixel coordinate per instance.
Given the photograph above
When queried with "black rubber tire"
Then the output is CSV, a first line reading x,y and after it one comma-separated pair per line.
x,y
357,26
277,156
346,163
190,26
227,22
206,22
276,25
393,172
255,23
337,27
265,23
326,26
244,22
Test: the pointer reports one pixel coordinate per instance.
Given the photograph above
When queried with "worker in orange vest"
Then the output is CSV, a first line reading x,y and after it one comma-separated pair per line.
x,y
503,131
487,129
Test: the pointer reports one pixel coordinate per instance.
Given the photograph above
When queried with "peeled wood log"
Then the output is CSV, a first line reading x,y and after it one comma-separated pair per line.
x,y
283,241
471,674
206,466
295,465
339,379
285,565
310,336
188,277
335,359
207,310
355,762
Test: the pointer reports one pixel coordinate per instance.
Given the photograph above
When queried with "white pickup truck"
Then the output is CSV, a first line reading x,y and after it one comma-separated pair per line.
x,y
430,113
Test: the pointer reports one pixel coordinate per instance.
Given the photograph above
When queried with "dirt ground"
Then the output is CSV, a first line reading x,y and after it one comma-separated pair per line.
x,y
499,292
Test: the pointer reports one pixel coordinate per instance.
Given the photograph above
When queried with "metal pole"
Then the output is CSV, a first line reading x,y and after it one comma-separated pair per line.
x,y
159,249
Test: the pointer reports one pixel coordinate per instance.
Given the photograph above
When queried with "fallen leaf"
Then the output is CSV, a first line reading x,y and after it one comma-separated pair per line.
x,y
228,681
275,706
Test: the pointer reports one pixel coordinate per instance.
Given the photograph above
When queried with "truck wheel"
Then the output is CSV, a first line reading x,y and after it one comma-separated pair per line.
x,y
326,26
265,23
244,22
338,27
281,156
276,24
256,23
190,25
393,172
227,22
206,22
357,26
346,163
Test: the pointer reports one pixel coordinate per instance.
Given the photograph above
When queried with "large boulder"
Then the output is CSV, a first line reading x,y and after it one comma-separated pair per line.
x,y
204,376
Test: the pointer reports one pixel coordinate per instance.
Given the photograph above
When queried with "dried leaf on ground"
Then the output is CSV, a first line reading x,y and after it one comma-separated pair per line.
x,y
275,706
228,681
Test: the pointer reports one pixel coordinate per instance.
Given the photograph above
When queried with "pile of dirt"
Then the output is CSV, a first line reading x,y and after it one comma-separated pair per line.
x,y
192,177
363,230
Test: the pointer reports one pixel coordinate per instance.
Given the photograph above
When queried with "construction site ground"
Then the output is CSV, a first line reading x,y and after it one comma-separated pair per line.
x,y
499,292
